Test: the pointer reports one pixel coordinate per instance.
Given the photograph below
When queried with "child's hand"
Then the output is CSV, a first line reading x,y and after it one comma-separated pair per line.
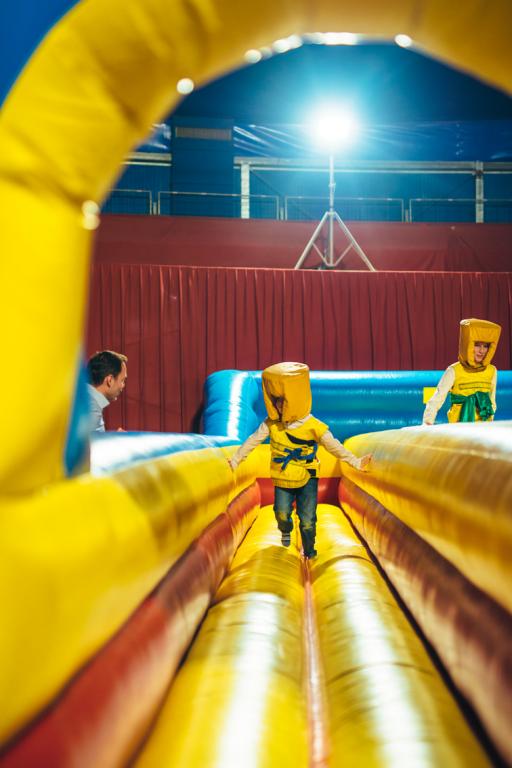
x,y
230,465
364,462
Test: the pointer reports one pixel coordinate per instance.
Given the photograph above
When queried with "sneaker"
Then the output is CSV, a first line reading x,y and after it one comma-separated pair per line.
x,y
286,539
310,555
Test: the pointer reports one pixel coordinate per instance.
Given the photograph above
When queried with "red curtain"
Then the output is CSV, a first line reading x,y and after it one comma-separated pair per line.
x,y
212,242
178,324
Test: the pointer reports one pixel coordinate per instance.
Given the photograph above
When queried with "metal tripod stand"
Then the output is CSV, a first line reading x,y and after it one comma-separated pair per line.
x,y
331,216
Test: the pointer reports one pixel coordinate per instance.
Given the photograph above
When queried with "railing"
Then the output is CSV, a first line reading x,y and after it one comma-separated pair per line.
x,y
129,201
350,208
308,208
221,204
459,209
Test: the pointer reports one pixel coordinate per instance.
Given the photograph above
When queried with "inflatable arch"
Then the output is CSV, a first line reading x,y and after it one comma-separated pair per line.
x,y
102,74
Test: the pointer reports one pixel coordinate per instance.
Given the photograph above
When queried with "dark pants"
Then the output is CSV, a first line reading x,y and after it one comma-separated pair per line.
x,y
306,498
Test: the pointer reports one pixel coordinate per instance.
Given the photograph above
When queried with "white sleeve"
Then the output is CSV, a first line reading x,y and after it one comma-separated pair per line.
x,y
493,390
250,444
436,401
96,421
337,449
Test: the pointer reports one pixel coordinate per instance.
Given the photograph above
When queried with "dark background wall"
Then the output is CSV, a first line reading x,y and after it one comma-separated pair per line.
x,y
278,244
177,324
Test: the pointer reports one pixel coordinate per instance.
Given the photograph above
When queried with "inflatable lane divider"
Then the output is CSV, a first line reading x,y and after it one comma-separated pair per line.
x,y
238,699
78,557
470,632
452,484
255,466
318,731
387,704
103,714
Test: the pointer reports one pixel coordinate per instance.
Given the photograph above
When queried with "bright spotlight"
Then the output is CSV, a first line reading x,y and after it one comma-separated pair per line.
x,y
333,128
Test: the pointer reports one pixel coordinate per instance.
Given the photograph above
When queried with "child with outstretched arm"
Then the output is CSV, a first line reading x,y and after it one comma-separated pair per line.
x,y
471,382
295,435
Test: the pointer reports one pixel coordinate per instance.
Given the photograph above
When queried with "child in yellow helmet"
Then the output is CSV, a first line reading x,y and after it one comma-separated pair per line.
x,y
294,438
471,381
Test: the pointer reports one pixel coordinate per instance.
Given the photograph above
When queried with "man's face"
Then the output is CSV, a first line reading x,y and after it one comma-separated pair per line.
x,y
116,384
480,350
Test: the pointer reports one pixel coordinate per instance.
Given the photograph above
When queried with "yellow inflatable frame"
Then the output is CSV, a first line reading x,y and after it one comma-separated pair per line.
x,y
94,86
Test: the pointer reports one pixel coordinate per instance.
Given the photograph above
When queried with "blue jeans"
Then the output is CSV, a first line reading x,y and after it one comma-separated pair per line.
x,y
306,498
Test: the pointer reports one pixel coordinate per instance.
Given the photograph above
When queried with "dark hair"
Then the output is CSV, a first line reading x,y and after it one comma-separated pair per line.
x,y
103,364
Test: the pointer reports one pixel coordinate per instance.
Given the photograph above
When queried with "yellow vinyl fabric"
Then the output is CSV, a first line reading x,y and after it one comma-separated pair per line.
x,y
290,382
466,383
76,560
78,556
473,330
257,464
294,457
238,698
387,704
451,484
101,76
469,631
241,696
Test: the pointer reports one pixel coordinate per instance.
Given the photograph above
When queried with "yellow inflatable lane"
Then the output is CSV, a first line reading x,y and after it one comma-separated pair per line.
x,y
387,704
76,560
475,653
243,696
452,484
238,699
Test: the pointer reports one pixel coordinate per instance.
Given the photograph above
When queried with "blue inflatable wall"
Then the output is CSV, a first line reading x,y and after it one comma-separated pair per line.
x,y
350,402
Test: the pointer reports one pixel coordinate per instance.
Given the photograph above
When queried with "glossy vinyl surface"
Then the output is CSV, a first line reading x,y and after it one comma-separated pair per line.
x,y
452,484
387,703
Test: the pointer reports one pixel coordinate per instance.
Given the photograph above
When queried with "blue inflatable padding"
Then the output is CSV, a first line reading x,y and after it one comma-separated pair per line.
x,y
234,402
350,402
77,442
112,451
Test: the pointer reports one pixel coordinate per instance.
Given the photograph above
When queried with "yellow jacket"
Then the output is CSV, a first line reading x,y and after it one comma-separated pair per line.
x,y
293,452
467,383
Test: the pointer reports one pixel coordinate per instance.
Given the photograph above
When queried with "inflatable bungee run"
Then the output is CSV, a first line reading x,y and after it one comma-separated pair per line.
x,y
149,614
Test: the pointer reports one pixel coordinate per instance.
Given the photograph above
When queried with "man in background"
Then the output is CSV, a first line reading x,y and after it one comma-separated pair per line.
x,y
107,375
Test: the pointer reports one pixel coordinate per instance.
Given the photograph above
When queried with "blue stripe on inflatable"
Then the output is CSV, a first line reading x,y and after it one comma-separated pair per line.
x,y
232,403
112,451
23,24
350,402
77,442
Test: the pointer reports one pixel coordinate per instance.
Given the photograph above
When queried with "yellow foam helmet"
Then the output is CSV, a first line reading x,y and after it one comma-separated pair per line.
x,y
473,330
291,382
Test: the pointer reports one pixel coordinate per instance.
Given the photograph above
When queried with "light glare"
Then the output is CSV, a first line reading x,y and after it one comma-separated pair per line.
x,y
340,38
185,85
295,41
282,45
333,128
404,41
252,56
90,215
